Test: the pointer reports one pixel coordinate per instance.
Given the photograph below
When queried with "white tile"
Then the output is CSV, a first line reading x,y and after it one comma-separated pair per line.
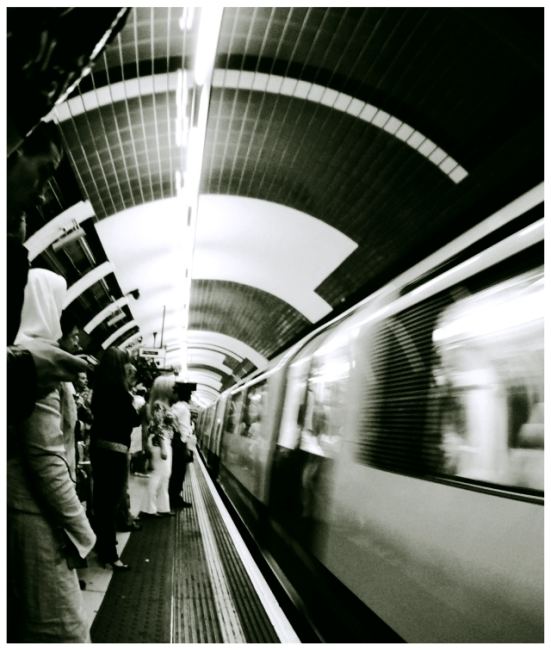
x,y
302,89
329,97
342,102
427,148
437,156
218,78
316,93
415,139
368,112
458,174
246,79
260,81
380,118
404,132
274,84
392,125
288,86
231,78
448,164
356,106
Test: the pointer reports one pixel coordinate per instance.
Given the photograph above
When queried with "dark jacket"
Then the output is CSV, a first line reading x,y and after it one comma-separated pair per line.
x,y
114,417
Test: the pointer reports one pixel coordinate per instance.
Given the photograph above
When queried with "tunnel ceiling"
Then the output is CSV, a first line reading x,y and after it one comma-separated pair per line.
x,y
341,146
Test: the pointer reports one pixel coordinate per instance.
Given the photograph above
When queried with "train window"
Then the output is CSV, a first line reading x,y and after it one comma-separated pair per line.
x,y
321,414
297,377
394,407
253,411
233,413
489,377
455,387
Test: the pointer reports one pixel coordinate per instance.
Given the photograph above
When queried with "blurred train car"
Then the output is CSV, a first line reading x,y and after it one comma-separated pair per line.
x,y
390,465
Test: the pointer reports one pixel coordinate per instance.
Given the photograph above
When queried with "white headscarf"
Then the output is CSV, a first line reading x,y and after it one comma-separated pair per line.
x,y
42,306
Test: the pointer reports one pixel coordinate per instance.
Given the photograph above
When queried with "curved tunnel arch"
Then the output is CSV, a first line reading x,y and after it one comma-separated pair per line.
x,y
360,128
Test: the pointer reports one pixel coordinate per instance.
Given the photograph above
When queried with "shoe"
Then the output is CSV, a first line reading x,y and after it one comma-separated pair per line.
x,y
166,514
118,565
178,505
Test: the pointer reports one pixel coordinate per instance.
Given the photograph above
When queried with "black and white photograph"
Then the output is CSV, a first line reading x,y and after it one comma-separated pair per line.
x,y
274,307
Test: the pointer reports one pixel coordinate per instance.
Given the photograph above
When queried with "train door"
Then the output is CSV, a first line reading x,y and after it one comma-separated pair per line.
x,y
309,437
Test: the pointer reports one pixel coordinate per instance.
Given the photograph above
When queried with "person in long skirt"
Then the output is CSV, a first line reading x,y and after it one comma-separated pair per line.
x,y
161,427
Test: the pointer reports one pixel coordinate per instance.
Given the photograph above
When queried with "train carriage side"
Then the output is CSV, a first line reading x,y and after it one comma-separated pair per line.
x,y
396,455
435,519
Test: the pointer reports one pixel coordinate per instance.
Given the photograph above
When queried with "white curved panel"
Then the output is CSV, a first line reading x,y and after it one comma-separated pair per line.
x,y
273,84
238,239
45,236
207,358
142,243
206,395
206,378
240,349
261,244
104,313
115,335
86,281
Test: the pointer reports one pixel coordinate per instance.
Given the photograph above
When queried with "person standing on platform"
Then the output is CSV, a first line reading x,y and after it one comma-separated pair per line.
x,y
124,519
114,418
161,427
36,367
49,534
183,444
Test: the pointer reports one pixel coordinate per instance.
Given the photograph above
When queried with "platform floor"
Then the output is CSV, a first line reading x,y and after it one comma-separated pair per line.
x,y
192,579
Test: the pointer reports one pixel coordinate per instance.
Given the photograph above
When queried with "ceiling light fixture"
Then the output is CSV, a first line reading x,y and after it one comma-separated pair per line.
x,y
192,111
207,40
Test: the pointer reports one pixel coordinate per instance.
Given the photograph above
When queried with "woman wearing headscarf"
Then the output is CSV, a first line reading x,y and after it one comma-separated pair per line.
x,y
114,417
48,531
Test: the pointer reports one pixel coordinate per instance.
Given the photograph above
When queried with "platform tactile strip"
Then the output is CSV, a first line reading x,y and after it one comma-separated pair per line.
x,y
175,591
137,605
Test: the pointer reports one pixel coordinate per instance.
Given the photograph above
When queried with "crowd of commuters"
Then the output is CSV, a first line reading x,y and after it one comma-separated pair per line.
x,y
59,427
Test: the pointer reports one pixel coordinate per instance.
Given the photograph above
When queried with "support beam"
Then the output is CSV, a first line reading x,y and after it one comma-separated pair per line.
x,y
45,236
86,281
127,326
104,313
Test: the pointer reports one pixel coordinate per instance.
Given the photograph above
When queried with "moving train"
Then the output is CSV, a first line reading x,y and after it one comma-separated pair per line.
x,y
390,464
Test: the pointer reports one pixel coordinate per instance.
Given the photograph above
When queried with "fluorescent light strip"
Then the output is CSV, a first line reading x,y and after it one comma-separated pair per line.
x,y
274,84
